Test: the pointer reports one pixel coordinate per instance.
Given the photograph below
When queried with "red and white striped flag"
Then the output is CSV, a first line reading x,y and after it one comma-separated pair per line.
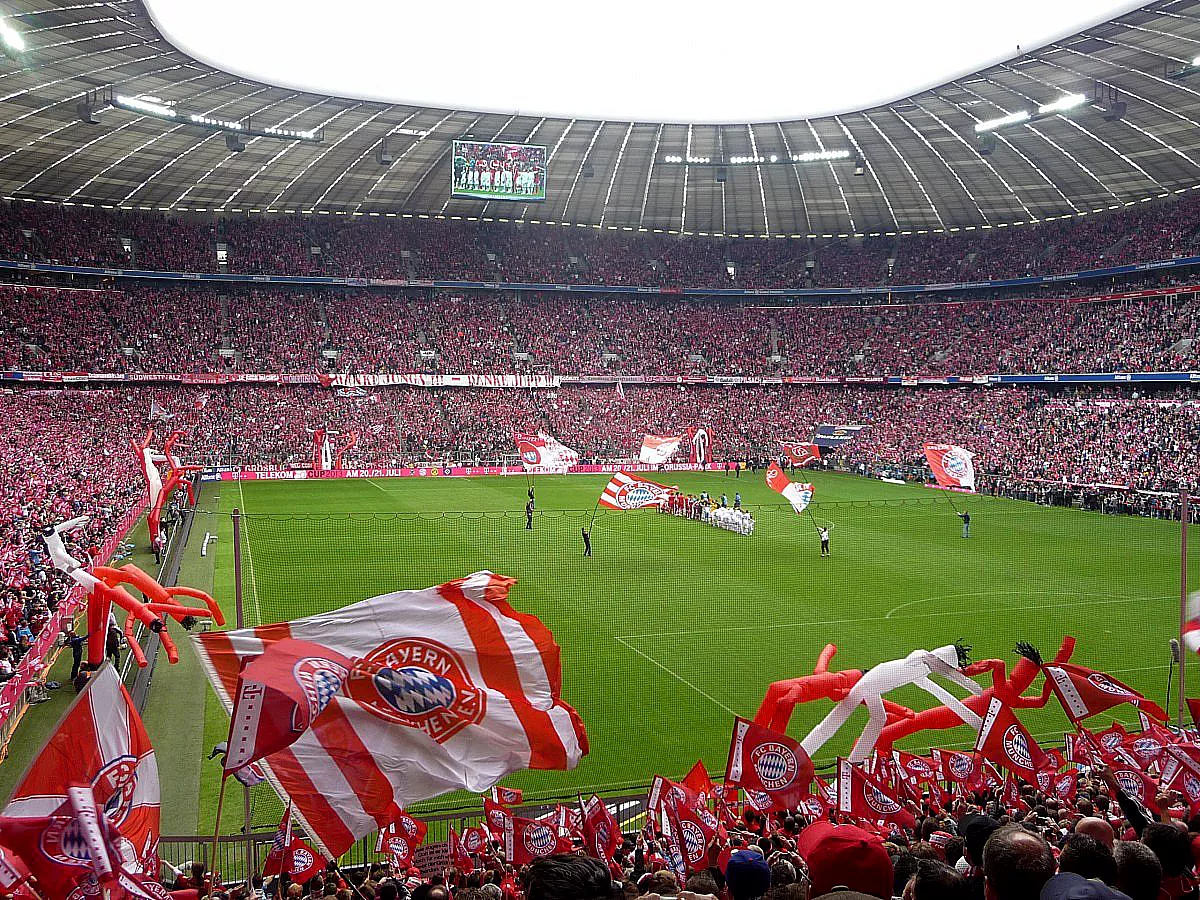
x,y
99,757
631,492
797,494
658,448
450,688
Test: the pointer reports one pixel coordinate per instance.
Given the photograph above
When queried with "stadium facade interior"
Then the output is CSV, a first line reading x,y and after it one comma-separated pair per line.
x,y
332,300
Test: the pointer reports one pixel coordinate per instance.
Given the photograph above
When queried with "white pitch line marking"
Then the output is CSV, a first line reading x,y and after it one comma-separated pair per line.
x,y
678,677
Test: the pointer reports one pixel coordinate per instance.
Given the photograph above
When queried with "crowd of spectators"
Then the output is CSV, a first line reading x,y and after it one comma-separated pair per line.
x,y
63,457
1098,844
425,247
1081,436
176,329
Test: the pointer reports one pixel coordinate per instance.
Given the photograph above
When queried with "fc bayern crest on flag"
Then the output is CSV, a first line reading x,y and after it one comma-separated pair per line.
x,y
320,679
1102,682
419,683
530,455
1017,748
539,839
694,843
775,765
960,765
879,801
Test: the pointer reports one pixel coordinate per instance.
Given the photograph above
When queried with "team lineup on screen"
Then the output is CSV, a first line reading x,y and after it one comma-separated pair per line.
x,y
492,171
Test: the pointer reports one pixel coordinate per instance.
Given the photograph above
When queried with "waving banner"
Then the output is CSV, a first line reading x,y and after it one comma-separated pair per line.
x,y
658,448
449,687
764,760
542,453
834,436
799,494
953,467
800,454
629,492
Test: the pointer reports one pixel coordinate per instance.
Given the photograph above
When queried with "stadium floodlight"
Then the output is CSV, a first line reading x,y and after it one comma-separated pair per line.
x,y
820,155
1062,104
151,106
1011,119
216,123
771,159
10,39
162,109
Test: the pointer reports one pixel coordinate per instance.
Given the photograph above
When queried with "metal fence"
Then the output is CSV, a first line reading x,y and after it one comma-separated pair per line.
x,y
238,857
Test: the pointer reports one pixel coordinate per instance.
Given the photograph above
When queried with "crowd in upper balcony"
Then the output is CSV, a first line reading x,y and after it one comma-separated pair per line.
x,y
432,248
140,328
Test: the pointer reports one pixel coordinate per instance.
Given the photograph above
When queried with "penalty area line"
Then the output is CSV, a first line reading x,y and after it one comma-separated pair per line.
x,y
678,677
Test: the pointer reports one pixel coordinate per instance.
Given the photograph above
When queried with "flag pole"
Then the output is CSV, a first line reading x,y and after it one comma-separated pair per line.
x,y
814,521
1183,601
595,509
212,865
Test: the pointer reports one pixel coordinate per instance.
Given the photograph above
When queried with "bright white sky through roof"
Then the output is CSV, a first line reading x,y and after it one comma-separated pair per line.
x,y
627,60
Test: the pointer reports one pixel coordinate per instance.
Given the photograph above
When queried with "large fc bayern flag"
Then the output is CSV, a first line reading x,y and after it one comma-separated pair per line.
x,y
625,491
449,687
953,467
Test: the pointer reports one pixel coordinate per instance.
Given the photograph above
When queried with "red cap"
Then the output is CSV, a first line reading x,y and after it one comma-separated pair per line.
x,y
845,856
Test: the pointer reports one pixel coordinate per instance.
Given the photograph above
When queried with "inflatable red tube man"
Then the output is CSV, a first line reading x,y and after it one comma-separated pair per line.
x,y
103,585
159,492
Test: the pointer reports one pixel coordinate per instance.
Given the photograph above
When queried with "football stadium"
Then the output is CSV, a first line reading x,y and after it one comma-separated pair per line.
x,y
753,454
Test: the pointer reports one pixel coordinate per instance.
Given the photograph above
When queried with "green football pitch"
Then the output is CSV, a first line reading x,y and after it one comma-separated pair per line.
x,y
674,627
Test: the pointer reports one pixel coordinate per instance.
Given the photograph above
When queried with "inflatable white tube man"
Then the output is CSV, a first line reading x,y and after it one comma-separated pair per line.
x,y
915,669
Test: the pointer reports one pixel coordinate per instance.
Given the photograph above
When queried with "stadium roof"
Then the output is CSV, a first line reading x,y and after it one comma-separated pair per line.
x,y
922,167
668,61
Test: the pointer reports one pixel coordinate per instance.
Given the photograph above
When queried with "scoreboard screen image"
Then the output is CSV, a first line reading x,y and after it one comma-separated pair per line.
x,y
488,171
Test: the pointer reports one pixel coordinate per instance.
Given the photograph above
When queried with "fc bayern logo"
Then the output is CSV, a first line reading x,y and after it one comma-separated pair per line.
x,y
961,765
1147,747
539,840
879,801
302,860
1131,784
920,767
473,841
530,455
1102,682
320,679
114,786
419,683
408,826
955,464
1017,747
1191,786
693,839
775,765
634,496
399,850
